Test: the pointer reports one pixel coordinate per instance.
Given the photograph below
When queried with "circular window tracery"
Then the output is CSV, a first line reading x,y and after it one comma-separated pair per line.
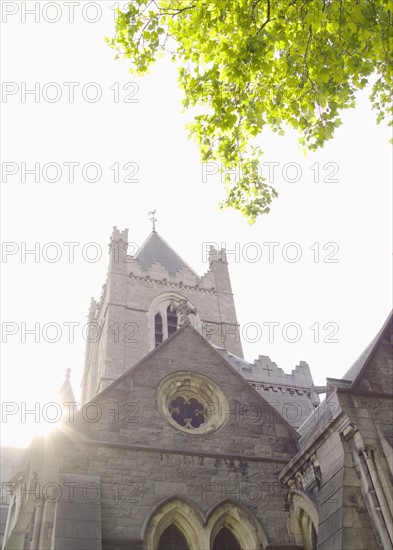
x,y
187,412
191,402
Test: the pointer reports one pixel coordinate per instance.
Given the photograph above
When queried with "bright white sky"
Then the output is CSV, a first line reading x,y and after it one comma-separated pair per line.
x,y
355,212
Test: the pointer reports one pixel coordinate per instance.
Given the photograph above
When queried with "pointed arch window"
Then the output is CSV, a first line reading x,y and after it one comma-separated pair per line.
x,y
225,541
171,317
173,539
166,314
158,329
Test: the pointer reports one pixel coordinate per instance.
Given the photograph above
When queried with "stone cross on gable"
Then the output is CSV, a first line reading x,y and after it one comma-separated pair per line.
x,y
183,310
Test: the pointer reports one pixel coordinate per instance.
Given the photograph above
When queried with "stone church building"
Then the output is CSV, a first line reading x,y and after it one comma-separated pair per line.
x,y
180,444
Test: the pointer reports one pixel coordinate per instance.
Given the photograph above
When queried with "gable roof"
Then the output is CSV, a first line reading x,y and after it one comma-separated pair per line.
x,y
329,410
352,377
356,371
156,249
181,330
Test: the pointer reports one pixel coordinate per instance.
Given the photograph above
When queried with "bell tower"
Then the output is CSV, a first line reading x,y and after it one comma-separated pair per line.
x,y
148,295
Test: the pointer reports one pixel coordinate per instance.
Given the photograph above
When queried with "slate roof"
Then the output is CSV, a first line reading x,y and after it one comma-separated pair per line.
x,y
237,362
318,421
321,418
355,372
156,249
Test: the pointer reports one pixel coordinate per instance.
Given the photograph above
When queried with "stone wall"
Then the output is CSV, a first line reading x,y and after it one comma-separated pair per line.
x,y
143,462
10,458
342,473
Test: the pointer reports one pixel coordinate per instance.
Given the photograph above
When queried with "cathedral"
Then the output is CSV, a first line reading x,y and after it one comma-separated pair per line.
x,y
179,443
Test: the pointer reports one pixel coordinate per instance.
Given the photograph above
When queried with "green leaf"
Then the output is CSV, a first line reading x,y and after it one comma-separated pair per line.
x,y
245,72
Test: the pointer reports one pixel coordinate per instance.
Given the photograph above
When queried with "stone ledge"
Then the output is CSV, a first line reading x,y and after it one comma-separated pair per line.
x,y
172,284
182,452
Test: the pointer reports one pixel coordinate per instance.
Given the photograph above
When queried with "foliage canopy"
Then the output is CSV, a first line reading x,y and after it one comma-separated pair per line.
x,y
250,64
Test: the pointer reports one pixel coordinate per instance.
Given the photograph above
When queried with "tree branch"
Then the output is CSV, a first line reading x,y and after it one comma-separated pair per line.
x,y
268,18
180,10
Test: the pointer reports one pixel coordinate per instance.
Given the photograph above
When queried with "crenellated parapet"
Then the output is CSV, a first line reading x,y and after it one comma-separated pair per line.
x,y
293,395
118,235
299,377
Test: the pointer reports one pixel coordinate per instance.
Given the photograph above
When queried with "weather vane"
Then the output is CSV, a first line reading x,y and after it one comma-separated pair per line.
x,y
153,219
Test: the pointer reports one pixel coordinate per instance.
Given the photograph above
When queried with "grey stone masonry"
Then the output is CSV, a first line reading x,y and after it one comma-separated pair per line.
x,y
175,428
10,457
341,476
77,521
293,395
122,320
142,460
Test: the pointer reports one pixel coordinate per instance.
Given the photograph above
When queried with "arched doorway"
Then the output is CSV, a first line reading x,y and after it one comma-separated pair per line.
x,y
172,539
225,540
232,527
174,524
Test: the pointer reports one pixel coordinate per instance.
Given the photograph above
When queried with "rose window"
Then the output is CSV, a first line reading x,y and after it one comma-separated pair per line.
x,y
191,402
187,412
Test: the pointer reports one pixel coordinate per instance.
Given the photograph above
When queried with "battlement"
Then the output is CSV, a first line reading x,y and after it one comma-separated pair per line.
x,y
215,255
118,235
293,392
300,377
265,371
